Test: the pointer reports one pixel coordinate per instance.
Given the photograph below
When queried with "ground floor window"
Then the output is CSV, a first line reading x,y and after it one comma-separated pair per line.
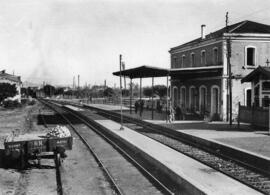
x,y
175,96
203,99
183,96
215,100
193,99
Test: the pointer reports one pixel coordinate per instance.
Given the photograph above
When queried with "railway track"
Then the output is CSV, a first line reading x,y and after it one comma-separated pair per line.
x,y
158,187
251,176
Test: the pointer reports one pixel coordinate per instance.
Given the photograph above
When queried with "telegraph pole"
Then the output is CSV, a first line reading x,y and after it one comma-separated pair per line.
x,y
78,81
124,67
229,68
120,62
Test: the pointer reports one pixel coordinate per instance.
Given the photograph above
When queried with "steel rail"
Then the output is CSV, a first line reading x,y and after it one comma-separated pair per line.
x,y
224,157
156,181
107,173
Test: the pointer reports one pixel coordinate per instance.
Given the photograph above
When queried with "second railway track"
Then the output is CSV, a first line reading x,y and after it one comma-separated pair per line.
x,y
125,174
251,176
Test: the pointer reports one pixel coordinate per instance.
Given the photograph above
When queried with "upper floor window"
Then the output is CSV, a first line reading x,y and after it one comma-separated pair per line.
x,y
250,55
215,56
183,60
192,59
203,58
175,61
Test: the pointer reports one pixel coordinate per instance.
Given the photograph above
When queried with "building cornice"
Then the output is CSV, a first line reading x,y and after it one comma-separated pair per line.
x,y
232,36
197,68
195,45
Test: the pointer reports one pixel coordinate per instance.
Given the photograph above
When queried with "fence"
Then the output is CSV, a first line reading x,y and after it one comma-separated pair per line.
x,y
256,116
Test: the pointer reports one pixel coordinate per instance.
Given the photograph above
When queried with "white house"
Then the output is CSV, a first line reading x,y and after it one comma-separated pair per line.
x,y
12,79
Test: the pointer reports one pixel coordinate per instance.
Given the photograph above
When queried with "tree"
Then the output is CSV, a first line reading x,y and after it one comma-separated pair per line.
x,y
59,91
160,90
31,92
108,92
147,91
125,92
7,90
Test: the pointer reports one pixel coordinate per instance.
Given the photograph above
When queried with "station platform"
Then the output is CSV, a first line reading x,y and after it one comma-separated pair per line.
x,y
109,107
195,177
245,138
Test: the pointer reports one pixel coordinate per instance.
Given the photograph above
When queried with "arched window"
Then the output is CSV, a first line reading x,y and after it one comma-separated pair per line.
x,y
193,99
183,97
175,96
250,56
215,56
203,58
215,96
192,59
183,61
174,61
203,99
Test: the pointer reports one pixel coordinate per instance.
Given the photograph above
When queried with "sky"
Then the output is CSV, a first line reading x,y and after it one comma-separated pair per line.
x,y
53,41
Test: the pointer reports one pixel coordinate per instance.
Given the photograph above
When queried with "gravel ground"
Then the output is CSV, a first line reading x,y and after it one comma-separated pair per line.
x,y
31,181
80,173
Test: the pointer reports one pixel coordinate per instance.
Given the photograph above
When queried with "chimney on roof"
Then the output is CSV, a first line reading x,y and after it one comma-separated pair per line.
x,y
203,31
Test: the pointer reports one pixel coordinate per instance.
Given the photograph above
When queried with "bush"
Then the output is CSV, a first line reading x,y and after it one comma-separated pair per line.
x,y
11,104
31,102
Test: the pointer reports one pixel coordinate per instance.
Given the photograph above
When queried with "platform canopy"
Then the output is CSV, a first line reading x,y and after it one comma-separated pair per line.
x,y
143,72
263,71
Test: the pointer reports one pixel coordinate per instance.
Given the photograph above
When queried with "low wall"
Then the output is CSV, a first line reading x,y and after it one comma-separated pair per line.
x,y
256,116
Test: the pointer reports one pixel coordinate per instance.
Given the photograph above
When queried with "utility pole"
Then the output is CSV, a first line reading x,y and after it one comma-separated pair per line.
x,y
120,63
228,41
78,81
123,68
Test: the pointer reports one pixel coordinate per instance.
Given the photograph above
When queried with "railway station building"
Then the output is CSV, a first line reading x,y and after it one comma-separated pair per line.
x,y
199,69
12,79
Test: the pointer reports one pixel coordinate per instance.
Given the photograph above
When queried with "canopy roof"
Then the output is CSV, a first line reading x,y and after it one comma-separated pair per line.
x,y
143,72
195,72
264,71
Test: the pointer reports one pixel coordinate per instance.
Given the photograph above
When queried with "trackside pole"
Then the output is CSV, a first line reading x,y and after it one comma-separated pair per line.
x,y
269,119
167,99
121,127
152,98
131,96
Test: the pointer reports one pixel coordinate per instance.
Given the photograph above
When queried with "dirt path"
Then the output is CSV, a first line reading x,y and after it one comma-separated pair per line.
x,y
34,180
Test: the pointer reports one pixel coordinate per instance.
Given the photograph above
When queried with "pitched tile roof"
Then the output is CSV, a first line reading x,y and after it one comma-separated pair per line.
x,y
264,71
10,77
240,27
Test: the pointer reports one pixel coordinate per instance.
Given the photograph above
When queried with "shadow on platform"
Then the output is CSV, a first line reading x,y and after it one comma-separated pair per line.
x,y
56,119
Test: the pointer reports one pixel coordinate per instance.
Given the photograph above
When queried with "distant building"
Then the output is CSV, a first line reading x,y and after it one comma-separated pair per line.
x,y
199,68
12,79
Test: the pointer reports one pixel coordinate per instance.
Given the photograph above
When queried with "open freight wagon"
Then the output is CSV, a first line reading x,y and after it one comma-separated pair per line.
x,y
22,148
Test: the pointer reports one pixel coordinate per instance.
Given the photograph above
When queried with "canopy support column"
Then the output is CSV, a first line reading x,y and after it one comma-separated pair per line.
x,y
152,98
140,94
131,96
167,98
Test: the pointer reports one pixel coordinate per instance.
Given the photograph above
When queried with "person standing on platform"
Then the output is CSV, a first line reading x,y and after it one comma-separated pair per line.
x,y
171,114
178,113
136,106
141,107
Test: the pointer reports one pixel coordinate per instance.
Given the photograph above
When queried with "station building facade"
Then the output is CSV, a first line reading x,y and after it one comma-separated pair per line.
x,y
12,79
199,68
